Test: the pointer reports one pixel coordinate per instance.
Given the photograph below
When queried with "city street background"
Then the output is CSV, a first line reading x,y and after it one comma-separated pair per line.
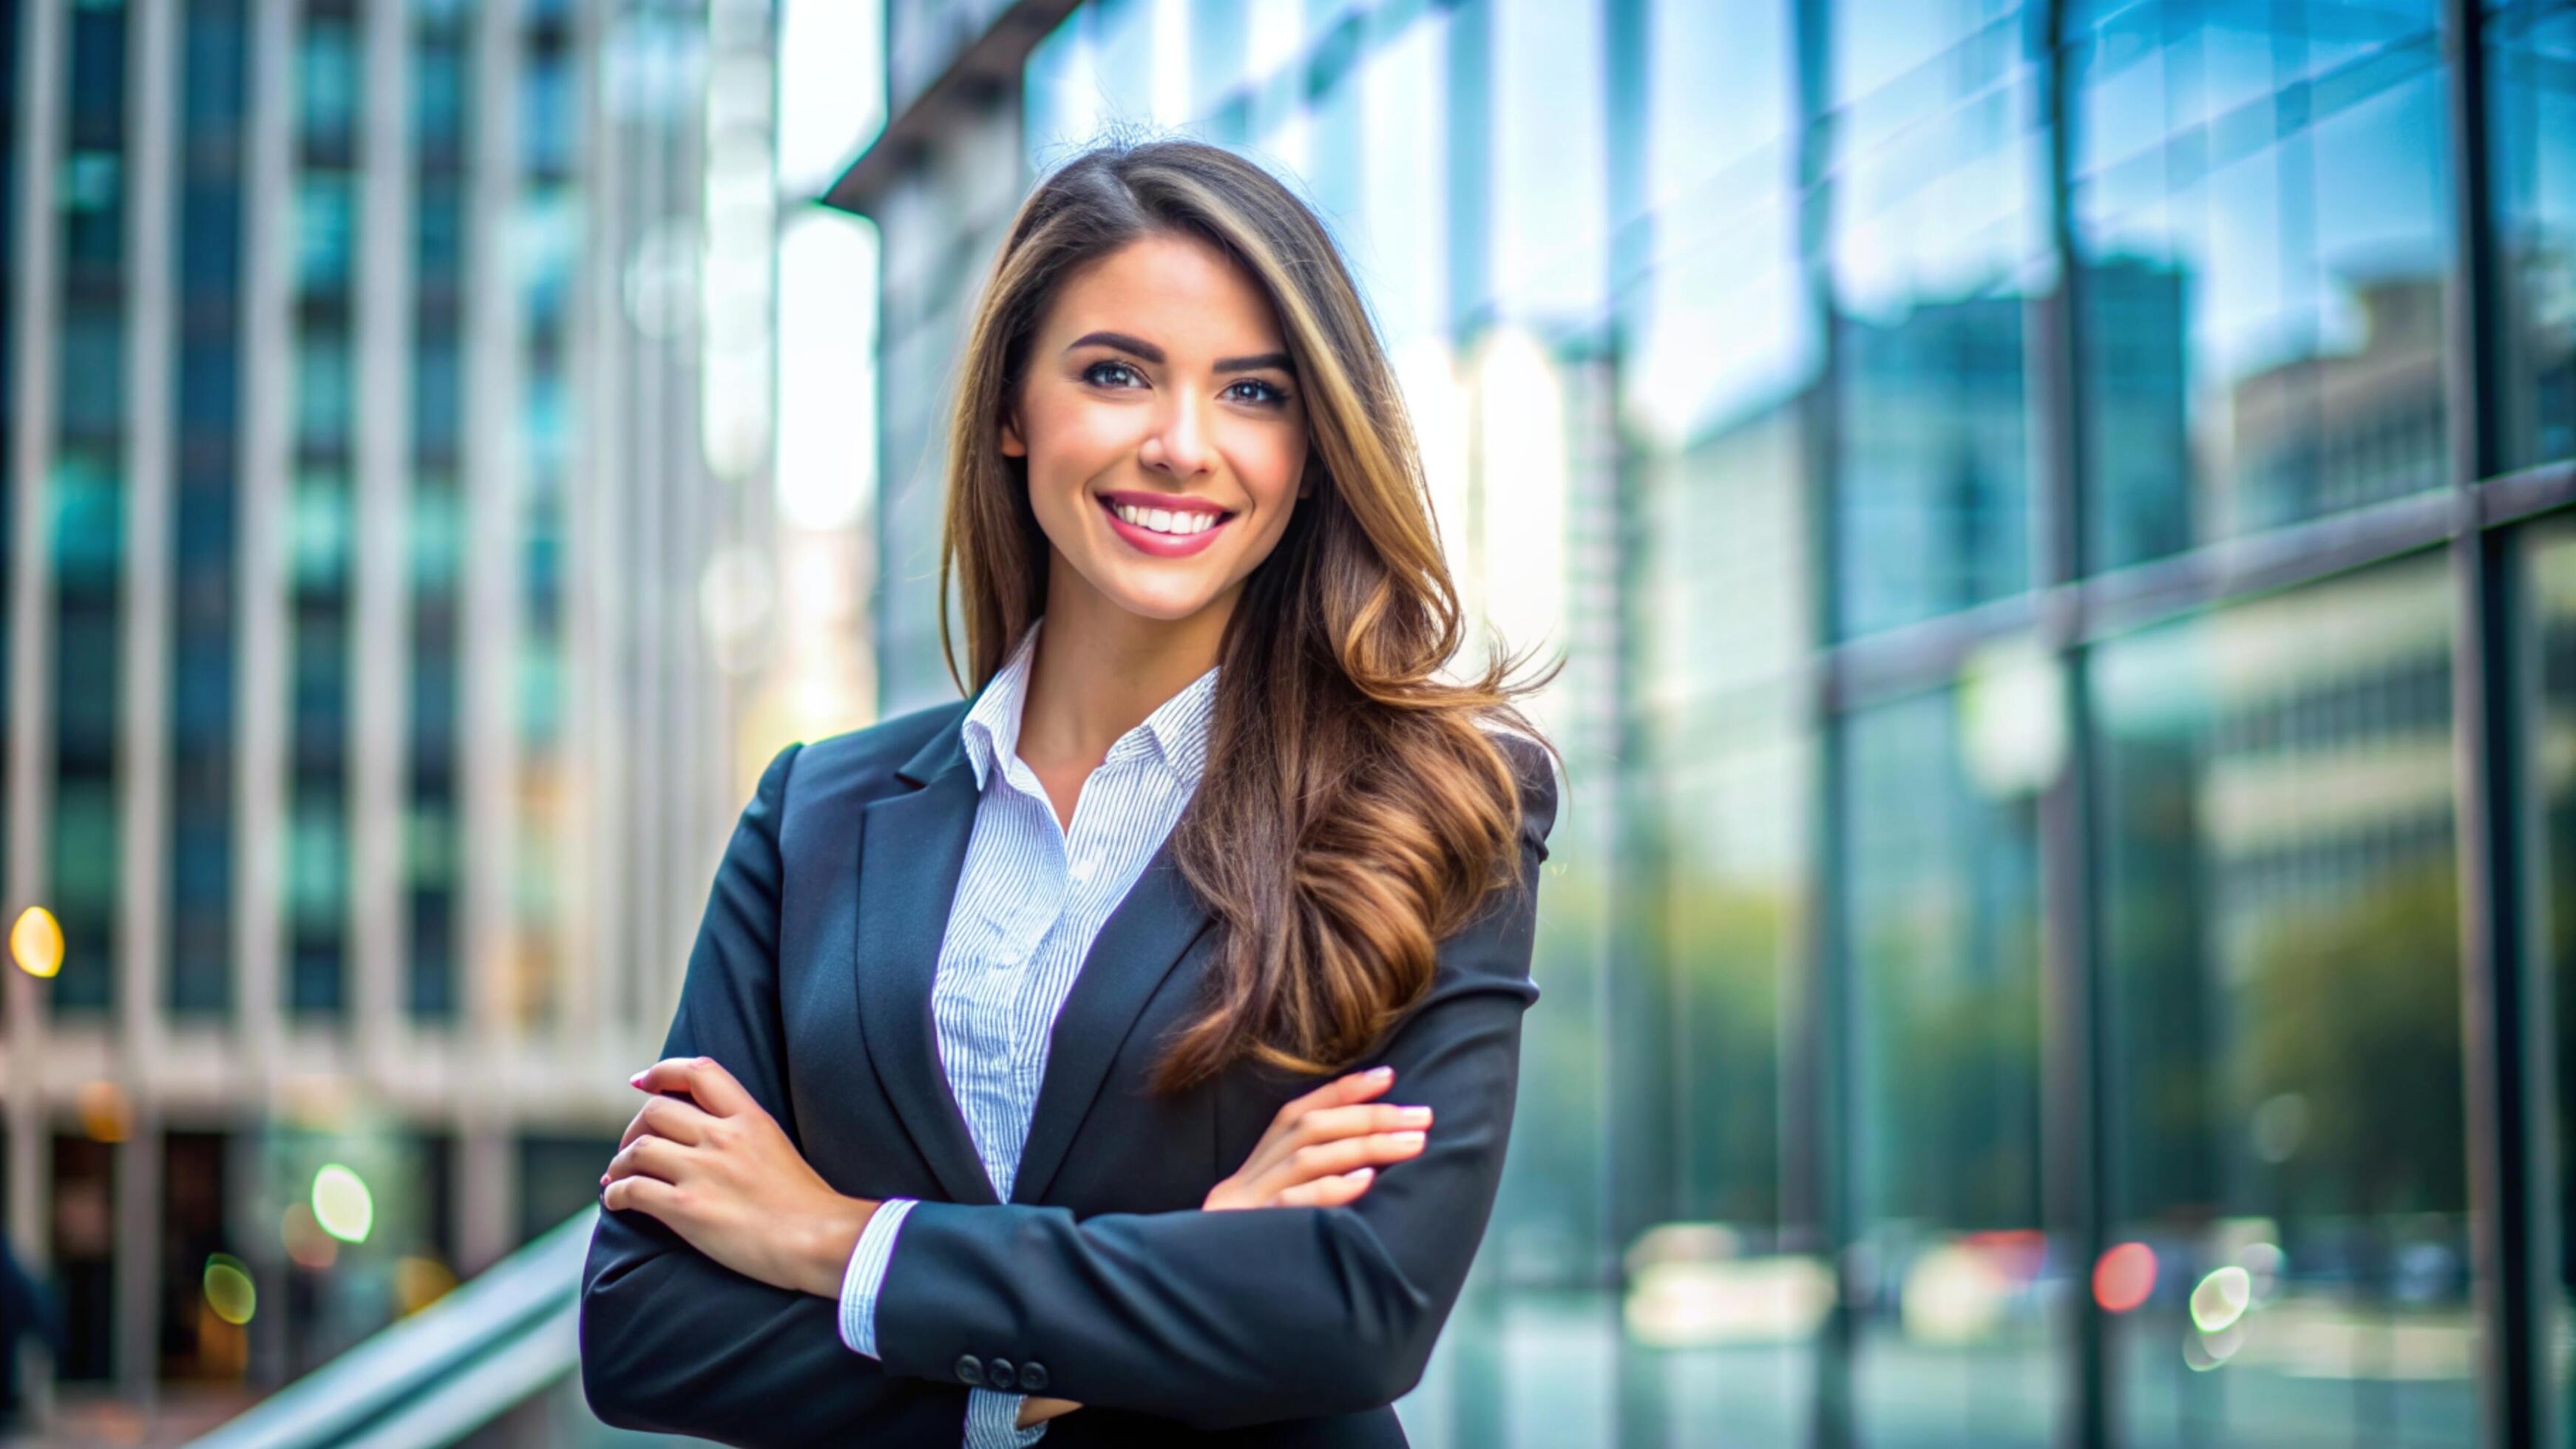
x,y
2061,520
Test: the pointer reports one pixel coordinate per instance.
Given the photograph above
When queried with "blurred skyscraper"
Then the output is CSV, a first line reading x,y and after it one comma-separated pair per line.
x,y
387,540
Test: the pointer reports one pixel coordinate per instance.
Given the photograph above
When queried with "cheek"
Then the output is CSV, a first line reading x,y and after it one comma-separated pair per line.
x,y
1070,438
1270,469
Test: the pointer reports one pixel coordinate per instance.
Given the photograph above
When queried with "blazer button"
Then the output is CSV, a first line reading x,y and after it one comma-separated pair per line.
x,y
998,1374
970,1369
1033,1376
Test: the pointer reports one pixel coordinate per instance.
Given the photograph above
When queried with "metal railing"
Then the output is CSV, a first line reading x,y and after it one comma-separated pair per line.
x,y
496,1341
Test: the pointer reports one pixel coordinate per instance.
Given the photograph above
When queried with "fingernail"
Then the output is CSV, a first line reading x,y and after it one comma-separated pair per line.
x,y
1415,1115
1380,1074
636,1080
1408,1139
1365,1173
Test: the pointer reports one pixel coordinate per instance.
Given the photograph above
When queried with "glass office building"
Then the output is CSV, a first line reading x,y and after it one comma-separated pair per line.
x,y
362,735
2059,517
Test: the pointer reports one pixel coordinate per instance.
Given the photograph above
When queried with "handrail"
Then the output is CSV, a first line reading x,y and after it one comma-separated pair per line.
x,y
436,1376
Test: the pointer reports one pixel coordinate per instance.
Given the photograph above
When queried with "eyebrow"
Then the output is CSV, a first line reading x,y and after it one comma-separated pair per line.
x,y
1148,351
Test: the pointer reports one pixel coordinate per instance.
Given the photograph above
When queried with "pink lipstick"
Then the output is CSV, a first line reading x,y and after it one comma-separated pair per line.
x,y
1172,510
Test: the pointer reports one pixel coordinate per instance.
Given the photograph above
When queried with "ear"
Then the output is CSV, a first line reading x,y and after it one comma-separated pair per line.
x,y
1013,446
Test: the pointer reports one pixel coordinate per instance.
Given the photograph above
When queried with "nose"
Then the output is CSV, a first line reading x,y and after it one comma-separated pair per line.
x,y
1179,444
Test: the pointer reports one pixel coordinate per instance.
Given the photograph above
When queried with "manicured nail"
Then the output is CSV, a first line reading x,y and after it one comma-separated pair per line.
x,y
1380,1074
1408,1139
1417,1116
1364,1174
636,1080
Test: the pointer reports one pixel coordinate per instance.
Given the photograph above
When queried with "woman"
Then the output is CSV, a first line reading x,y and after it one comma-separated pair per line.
x,y
998,1006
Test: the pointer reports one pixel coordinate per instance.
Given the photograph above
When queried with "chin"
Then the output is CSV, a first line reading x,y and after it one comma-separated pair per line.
x,y
1167,600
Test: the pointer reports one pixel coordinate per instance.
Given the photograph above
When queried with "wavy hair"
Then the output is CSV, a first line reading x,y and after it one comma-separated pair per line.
x,y
1363,811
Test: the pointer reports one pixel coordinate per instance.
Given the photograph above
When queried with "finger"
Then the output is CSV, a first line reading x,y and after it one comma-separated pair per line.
x,y
1329,1123
649,1156
701,1079
641,1194
683,1122
1356,1087
1331,1191
1326,1159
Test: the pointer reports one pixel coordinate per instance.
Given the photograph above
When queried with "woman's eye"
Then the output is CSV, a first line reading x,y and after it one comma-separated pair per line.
x,y
1098,372
1268,394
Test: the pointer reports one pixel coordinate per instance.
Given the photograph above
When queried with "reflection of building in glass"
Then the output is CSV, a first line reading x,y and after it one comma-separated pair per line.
x,y
2342,429
2135,327
363,734
1840,853
1935,456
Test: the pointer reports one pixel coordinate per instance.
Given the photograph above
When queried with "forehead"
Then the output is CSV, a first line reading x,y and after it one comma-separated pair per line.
x,y
1177,292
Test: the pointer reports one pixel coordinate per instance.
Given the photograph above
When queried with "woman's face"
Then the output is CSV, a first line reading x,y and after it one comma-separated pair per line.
x,y
1164,431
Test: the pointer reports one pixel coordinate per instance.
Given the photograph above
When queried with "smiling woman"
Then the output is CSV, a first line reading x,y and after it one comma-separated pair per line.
x,y
1001,1010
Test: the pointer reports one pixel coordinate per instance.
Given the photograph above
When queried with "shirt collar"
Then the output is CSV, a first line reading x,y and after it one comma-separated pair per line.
x,y
1177,730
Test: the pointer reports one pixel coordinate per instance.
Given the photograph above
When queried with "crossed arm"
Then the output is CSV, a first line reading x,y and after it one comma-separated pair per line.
x,y
1212,1318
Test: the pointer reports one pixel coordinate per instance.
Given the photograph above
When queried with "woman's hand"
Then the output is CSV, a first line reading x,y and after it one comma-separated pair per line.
x,y
720,1171
1324,1148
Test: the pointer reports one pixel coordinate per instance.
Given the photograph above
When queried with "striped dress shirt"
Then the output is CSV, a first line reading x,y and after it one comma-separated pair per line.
x,y
1030,899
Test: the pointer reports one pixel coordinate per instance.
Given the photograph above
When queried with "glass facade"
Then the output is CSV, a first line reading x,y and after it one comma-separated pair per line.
x,y
441,122
2530,46
1996,473
87,518
204,613
322,523
550,227
332,303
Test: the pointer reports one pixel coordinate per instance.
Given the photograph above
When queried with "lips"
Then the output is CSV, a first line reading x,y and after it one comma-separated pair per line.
x,y
1154,541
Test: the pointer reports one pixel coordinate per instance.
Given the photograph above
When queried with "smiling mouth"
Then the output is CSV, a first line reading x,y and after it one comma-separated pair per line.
x,y
1145,514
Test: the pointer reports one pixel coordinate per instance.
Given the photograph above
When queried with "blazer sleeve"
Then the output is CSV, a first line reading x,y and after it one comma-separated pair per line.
x,y
1220,1319
672,1341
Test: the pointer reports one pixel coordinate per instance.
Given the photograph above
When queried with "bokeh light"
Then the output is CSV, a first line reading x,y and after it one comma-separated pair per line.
x,y
2221,1299
420,1282
36,942
2125,1277
306,1243
103,1111
229,1290
342,1204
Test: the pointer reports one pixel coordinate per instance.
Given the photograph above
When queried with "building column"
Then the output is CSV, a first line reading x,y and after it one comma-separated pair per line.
x,y
143,650
378,732
35,297
263,501
488,753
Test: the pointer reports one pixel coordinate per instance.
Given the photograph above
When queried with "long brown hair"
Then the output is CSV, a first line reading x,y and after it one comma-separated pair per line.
x,y
1361,812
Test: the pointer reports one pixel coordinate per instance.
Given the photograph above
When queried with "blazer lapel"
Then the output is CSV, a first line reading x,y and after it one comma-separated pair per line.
x,y
912,847
1143,939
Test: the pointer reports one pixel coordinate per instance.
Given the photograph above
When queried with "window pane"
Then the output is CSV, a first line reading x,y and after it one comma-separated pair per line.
x,y
1727,1300
2260,201
2531,55
2280,936
1940,236
1957,1310
2548,562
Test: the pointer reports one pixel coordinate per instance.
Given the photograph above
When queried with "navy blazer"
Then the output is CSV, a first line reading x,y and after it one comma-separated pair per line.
x,y
810,981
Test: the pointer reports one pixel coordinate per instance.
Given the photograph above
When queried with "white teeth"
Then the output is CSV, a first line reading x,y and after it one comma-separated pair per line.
x,y
1179,522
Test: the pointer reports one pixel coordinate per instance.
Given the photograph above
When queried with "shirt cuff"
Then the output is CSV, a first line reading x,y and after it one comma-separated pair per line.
x,y
861,1281
993,1419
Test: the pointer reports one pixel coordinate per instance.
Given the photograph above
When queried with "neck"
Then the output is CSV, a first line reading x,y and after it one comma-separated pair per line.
x,y
1101,669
